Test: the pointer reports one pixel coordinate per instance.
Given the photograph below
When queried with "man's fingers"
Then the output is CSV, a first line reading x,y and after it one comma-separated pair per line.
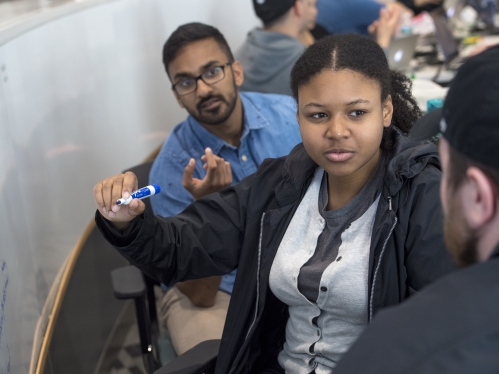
x,y
228,173
188,171
211,161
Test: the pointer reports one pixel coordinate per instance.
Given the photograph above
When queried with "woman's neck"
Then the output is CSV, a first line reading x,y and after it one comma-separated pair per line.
x,y
342,190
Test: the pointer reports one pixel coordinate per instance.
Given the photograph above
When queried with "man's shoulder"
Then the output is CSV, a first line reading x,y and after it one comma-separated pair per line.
x,y
270,102
178,148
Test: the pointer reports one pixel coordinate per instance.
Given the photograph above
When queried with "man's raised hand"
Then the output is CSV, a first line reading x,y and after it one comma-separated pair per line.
x,y
218,175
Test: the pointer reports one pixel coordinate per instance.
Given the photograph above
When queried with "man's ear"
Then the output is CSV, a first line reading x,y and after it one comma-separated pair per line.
x,y
238,72
297,8
387,111
180,103
478,198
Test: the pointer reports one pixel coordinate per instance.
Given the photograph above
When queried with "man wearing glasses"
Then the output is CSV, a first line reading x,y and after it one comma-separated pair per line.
x,y
223,140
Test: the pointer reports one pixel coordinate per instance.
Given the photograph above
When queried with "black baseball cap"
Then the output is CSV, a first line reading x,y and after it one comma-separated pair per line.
x,y
270,10
470,116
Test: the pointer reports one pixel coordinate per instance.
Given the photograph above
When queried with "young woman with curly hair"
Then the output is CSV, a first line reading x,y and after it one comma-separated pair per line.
x,y
345,225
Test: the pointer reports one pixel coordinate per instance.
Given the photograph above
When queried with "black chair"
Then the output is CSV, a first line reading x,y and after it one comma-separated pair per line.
x,y
130,283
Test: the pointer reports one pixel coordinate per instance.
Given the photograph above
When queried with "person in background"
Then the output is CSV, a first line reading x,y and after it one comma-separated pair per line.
x,y
347,224
269,53
452,326
418,6
223,140
340,16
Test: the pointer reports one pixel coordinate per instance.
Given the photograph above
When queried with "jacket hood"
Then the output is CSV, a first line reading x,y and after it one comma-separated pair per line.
x,y
408,159
271,52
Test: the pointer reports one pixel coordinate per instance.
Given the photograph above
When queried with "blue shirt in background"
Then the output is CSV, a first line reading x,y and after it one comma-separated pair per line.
x,y
270,130
347,16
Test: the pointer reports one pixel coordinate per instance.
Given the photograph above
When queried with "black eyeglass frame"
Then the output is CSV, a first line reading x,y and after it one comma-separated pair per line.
x,y
201,77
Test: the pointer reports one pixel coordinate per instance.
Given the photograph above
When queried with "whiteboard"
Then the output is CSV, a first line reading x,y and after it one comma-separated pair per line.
x,y
82,97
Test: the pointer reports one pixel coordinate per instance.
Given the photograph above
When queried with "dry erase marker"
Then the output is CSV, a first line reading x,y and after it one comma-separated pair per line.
x,y
144,192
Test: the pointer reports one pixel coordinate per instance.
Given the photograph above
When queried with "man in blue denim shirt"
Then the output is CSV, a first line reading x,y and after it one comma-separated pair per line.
x,y
223,140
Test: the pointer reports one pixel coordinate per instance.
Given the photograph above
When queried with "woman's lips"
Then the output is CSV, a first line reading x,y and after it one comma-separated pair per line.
x,y
339,155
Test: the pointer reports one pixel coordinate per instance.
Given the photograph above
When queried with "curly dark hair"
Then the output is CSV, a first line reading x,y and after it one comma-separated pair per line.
x,y
365,56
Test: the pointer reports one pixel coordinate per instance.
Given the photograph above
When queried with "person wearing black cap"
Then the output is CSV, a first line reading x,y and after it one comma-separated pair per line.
x,y
452,326
269,53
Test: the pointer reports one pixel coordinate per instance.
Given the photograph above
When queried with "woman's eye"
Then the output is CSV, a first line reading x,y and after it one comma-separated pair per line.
x,y
318,115
357,113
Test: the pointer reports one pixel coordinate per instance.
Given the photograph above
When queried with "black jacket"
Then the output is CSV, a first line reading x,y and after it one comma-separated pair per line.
x,y
242,227
452,327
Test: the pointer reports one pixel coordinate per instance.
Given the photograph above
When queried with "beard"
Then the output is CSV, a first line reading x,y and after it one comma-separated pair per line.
x,y
461,240
217,115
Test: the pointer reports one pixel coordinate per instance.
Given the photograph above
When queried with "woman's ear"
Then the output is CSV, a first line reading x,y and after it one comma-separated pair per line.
x,y
387,111
238,71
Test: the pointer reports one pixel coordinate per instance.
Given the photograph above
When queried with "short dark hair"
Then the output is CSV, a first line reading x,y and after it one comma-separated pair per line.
x,y
191,32
365,56
458,166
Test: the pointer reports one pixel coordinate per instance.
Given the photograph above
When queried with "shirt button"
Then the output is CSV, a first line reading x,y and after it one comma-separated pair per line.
x,y
338,259
244,158
323,289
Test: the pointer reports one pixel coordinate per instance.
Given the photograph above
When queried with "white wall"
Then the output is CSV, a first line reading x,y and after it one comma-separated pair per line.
x,y
82,96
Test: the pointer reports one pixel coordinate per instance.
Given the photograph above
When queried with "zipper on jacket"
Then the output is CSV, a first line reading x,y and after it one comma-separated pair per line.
x,y
233,367
257,276
380,258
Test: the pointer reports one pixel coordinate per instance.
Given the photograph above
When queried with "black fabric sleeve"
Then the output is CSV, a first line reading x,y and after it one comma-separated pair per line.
x,y
115,237
204,240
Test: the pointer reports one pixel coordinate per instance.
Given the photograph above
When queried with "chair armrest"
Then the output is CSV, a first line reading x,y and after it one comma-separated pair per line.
x,y
196,360
128,282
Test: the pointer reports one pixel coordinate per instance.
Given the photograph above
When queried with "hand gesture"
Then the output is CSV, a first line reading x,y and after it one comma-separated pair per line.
x,y
384,28
218,176
107,191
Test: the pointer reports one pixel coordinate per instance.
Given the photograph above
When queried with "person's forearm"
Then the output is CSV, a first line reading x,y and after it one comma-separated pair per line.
x,y
201,292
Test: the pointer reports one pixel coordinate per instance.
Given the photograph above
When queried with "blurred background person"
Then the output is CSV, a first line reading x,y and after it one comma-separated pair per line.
x,y
269,53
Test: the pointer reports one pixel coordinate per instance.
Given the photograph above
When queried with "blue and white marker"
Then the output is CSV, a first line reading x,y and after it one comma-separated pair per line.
x,y
144,192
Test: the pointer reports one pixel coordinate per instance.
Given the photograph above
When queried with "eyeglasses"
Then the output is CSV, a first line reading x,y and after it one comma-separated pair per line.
x,y
211,76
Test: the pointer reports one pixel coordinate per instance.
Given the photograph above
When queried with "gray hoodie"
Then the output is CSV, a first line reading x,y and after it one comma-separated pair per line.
x,y
267,58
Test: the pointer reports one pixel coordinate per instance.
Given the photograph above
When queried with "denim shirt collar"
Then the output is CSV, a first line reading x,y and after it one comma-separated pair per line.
x,y
252,120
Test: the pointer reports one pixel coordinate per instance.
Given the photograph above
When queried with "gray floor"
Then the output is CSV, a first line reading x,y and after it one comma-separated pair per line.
x,y
123,355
